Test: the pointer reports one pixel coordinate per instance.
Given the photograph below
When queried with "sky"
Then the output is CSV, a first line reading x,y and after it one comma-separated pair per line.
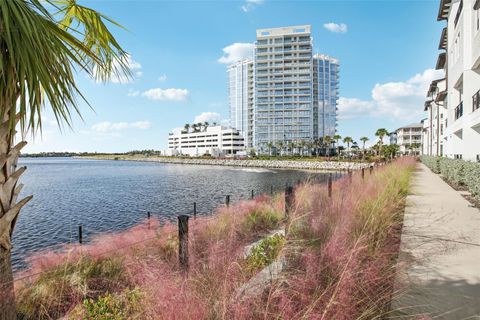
x,y
180,50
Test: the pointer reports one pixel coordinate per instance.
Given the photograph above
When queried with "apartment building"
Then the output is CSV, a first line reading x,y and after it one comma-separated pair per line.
x,y
434,124
240,99
215,141
454,112
409,138
286,93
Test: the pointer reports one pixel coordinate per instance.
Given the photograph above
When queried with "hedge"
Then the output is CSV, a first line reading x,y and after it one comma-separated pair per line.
x,y
459,172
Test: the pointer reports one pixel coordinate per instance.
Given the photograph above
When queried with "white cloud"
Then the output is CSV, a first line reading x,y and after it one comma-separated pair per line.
x,y
170,94
135,68
394,100
133,93
210,117
249,5
336,27
106,126
162,78
237,51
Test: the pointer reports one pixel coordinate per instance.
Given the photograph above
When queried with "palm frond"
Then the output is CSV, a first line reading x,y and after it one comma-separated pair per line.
x,y
40,57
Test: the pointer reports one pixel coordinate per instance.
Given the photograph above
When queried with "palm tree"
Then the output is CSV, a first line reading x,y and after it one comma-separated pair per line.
x,y
290,146
301,146
270,145
364,140
312,146
205,125
328,143
348,140
337,138
381,133
318,144
40,53
186,127
279,145
416,147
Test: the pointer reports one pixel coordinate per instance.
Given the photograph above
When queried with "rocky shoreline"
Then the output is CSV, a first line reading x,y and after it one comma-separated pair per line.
x,y
246,163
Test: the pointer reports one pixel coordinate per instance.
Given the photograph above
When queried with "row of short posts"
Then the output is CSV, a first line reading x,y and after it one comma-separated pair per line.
x,y
289,205
183,221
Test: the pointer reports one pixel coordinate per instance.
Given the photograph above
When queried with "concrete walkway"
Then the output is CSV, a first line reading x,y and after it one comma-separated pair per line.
x,y
439,263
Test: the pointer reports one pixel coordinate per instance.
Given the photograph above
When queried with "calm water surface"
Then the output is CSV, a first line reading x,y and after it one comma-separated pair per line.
x,y
108,196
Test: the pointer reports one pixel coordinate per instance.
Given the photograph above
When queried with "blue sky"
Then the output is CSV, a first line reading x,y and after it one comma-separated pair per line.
x,y
387,50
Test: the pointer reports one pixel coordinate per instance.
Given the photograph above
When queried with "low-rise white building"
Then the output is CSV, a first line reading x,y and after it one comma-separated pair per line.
x,y
215,141
409,138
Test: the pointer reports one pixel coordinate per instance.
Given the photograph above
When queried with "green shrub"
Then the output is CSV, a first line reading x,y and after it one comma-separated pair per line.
x,y
261,220
472,177
459,172
431,162
264,253
118,306
56,290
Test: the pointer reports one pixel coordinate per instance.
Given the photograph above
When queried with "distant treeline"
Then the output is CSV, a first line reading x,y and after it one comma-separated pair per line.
x,y
86,154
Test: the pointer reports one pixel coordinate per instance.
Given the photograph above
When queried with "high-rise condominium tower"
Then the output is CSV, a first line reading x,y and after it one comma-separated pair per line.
x,y
325,94
240,99
287,94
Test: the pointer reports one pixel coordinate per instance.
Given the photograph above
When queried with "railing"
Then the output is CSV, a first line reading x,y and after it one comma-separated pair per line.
x,y
476,101
459,12
459,111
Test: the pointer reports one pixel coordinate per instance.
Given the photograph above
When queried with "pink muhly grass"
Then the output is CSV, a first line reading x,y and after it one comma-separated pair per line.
x,y
340,254
103,244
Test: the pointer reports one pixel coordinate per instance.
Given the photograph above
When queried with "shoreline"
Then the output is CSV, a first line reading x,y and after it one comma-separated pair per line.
x,y
269,164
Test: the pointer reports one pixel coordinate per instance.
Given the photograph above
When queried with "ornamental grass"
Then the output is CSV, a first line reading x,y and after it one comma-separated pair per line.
x,y
339,252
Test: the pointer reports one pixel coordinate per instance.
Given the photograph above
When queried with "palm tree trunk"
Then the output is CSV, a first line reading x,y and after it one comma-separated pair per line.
x,y
9,210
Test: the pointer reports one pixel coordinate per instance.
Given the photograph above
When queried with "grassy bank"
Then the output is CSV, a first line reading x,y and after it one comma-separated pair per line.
x,y
340,255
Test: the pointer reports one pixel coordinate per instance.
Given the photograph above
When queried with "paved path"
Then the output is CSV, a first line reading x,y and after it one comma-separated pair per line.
x,y
440,252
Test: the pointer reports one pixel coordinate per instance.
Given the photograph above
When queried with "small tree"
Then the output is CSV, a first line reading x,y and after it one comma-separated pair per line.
x,y
328,142
337,138
270,146
364,140
280,145
381,133
348,140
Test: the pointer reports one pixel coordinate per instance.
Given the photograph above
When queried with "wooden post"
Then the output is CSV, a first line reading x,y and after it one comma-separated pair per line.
x,y
288,201
227,200
194,210
183,242
330,185
253,194
363,173
80,234
148,215
271,190
371,169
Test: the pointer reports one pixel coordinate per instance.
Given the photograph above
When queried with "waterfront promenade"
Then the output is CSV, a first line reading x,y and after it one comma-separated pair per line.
x,y
440,253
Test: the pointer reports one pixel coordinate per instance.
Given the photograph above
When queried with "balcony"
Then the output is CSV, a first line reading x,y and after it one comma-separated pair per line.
x,y
476,101
459,111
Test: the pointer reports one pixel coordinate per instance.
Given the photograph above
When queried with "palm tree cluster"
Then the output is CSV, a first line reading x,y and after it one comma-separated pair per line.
x,y
197,127
324,146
